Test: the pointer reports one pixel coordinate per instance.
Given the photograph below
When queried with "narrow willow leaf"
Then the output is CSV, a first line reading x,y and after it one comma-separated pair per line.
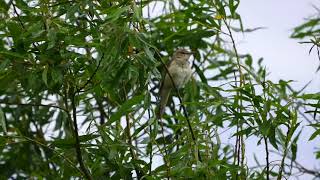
x,y
3,121
125,108
4,64
12,54
45,75
314,135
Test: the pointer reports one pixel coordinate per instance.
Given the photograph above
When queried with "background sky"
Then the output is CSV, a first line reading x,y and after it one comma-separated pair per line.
x,y
284,58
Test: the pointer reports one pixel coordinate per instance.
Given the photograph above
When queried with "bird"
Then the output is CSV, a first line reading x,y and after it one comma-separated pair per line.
x,y
180,71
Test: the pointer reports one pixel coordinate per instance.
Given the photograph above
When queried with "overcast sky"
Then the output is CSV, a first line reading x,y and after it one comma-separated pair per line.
x,y
284,58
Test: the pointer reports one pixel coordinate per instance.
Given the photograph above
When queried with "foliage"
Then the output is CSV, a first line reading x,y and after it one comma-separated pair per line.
x,y
79,82
311,30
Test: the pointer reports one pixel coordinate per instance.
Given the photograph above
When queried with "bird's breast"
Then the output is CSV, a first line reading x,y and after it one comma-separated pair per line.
x,y
181,75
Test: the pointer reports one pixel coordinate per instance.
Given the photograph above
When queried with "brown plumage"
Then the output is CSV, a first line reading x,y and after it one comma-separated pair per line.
x,y
180,71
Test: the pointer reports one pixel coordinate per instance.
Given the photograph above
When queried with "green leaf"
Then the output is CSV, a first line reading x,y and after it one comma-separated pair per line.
x,y
4,7
52,37
67,143
4,64
272,138
12,54
3,121
265,128
314,135
201,75
310,96
232,7
56,75
88,137
44,75
148,123
294,146
125,108
220,8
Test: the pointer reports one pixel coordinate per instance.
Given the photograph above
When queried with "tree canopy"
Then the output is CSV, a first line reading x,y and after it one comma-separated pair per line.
x,y
79,93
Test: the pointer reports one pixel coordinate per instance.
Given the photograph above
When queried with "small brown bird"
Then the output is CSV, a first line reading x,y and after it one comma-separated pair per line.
x,y
180,71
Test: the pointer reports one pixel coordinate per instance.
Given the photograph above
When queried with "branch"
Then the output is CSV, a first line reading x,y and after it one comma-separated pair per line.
x,y
21,23
48,147
93,74
239,141
284,155
31,104
267,156
77,144
301,168
139,173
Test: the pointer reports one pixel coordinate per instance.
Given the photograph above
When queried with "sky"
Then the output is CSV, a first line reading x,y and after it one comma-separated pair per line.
x,y
284,58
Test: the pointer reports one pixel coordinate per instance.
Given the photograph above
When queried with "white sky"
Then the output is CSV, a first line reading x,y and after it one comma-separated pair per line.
x,y
284,58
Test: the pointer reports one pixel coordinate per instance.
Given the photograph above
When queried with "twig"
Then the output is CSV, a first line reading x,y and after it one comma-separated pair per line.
x,y
52,149
22,25
139,173
267,156
150,155
284,155
239,140
165,150
301,168
92,75
31,104
77,143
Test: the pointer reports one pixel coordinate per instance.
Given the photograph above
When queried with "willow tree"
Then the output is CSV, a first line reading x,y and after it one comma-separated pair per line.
x,y
79,90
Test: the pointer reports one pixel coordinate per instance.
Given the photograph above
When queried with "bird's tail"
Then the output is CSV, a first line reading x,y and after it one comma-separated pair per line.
x,y
164,96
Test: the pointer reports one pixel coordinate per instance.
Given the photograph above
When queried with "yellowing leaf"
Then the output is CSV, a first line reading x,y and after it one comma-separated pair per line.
x,y
218,17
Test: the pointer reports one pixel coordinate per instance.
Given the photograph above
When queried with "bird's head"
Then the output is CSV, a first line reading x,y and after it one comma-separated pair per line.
x,y
182,55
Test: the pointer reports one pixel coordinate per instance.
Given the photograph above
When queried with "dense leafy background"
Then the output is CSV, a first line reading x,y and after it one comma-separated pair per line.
x,y
79,83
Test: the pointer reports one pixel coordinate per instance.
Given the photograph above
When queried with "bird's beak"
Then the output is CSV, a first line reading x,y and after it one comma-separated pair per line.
x,y
189,53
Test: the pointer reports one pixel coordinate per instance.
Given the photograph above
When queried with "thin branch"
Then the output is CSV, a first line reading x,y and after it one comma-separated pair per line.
x,y
150,155
239,140
44,145
139,173
302,169
267,156
165,150
103,114
92,76
284,155
21,23
32,104
77,143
